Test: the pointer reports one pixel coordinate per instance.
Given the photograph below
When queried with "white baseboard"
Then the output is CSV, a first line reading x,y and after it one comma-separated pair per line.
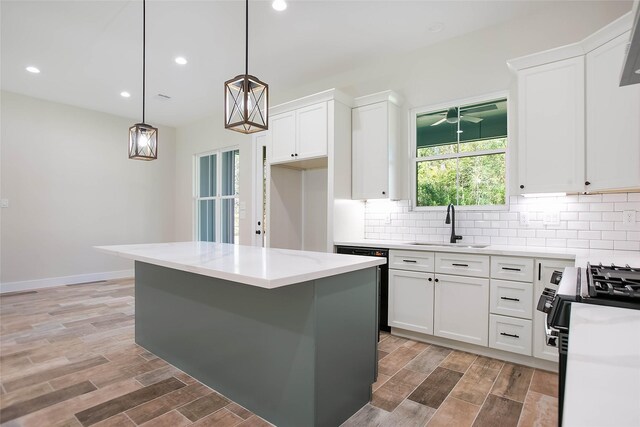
x,y
29,285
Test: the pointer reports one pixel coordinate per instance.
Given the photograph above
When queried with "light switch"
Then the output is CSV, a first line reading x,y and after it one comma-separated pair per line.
x,y
628,217
4,203
524,218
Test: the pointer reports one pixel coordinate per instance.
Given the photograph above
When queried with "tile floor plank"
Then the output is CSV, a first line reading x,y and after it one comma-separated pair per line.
x,y
544,382
408,414
513,382
396,389
498,412
435,389
454,412
539,410
475,384
204,406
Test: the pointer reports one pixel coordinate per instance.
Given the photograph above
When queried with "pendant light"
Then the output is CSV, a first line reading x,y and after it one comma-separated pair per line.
x,y
143,138
246,99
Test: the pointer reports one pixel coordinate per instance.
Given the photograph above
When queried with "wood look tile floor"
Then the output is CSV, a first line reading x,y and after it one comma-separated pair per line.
x,y
68,359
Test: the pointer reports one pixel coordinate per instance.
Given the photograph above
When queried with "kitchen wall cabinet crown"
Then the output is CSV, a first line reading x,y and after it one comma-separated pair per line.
x,y
375,141
572,113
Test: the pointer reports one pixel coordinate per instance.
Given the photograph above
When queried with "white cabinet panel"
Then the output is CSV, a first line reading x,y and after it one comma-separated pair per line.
x,y
311,128
511,298
463,264
613,127
282,137
510,334
551,144
411,260
370,142
512,268
544,270
461,309
411,301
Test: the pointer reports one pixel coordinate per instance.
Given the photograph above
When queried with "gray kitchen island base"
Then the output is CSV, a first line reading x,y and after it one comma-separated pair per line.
x,y
298,355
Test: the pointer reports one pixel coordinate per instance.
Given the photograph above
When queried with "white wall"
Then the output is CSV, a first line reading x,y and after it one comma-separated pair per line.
x,y
202,136
71,186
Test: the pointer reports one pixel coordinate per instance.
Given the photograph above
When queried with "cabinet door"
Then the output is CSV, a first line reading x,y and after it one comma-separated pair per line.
x,y
551,127
282,135
370,145
613,128
311,131
411,301
461,309
544,270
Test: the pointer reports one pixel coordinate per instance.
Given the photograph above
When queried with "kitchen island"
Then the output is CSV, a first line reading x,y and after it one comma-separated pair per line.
x,y
291,335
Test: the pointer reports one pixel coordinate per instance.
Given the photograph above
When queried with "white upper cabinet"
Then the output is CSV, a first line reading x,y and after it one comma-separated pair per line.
x,y
374,139
613,121
299,134
551,127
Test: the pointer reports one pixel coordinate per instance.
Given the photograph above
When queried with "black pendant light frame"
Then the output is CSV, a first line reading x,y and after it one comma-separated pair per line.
x,y
243,90
143,138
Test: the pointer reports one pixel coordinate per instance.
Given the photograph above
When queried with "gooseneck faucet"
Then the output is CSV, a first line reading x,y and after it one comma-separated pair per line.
x,y
451,219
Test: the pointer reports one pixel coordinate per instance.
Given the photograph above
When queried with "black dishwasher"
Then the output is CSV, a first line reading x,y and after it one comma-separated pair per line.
x,y
383,289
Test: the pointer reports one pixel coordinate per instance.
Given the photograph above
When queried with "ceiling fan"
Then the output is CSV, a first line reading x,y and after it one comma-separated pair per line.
x,y
451,116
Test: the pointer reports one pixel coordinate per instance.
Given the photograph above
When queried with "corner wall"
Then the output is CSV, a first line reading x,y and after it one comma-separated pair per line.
x,y
71,186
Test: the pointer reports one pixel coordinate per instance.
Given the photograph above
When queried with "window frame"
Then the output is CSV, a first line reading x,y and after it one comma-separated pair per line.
x,y
414,159
218,197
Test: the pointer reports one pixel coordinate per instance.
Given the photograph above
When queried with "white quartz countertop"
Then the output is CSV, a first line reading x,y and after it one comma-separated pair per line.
x,y
581,256
250,265
603,367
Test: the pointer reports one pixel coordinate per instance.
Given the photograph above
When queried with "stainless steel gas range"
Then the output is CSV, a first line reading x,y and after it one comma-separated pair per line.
x,y
608,285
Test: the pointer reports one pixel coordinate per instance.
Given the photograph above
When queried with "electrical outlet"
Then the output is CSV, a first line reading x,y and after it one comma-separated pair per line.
x,y
629,217
387,218
4,203
524,218
551,218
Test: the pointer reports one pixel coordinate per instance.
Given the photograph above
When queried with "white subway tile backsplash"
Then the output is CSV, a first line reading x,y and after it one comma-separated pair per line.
x,y
590,216
618,197
590,235
601,225
582,244
601,207
586,221
626,245
601,244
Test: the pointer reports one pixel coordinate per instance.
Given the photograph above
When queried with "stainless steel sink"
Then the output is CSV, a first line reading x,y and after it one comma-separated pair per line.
x,y
451,245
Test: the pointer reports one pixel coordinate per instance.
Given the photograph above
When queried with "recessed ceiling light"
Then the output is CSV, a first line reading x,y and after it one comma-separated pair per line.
x,y
181,60
32,69
125,94
279,5
435,27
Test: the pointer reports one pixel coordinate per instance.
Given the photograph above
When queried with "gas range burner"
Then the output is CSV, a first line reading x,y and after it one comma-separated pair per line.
x,y
614,282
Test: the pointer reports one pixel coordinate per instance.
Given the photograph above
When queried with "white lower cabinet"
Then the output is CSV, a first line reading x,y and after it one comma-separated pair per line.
x,y
411,300
461,308
510,334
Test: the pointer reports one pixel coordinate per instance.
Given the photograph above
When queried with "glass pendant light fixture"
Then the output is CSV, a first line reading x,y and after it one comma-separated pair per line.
x,y
246,99
143,138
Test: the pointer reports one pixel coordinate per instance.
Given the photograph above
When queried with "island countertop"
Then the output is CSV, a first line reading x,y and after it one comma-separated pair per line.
x,y
261,267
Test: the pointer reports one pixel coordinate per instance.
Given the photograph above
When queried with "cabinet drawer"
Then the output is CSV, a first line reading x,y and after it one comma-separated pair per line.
x,y
510,334
511,298
411,260
462,264
512,268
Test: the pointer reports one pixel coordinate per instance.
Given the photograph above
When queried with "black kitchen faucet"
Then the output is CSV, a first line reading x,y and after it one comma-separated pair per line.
x,y
451,219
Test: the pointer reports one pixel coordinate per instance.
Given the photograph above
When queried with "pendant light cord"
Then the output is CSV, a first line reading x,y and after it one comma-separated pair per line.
x,y
246,38
144,20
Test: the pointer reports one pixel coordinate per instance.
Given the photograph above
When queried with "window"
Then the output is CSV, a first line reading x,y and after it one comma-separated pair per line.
x,y
460,155
217,200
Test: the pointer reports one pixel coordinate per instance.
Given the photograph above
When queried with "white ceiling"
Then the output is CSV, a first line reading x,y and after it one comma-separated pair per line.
x,y
90,51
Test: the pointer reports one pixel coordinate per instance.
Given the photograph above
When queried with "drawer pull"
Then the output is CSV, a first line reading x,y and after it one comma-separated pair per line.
x,y
511,269
460,265
509,335
410,260
510,299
